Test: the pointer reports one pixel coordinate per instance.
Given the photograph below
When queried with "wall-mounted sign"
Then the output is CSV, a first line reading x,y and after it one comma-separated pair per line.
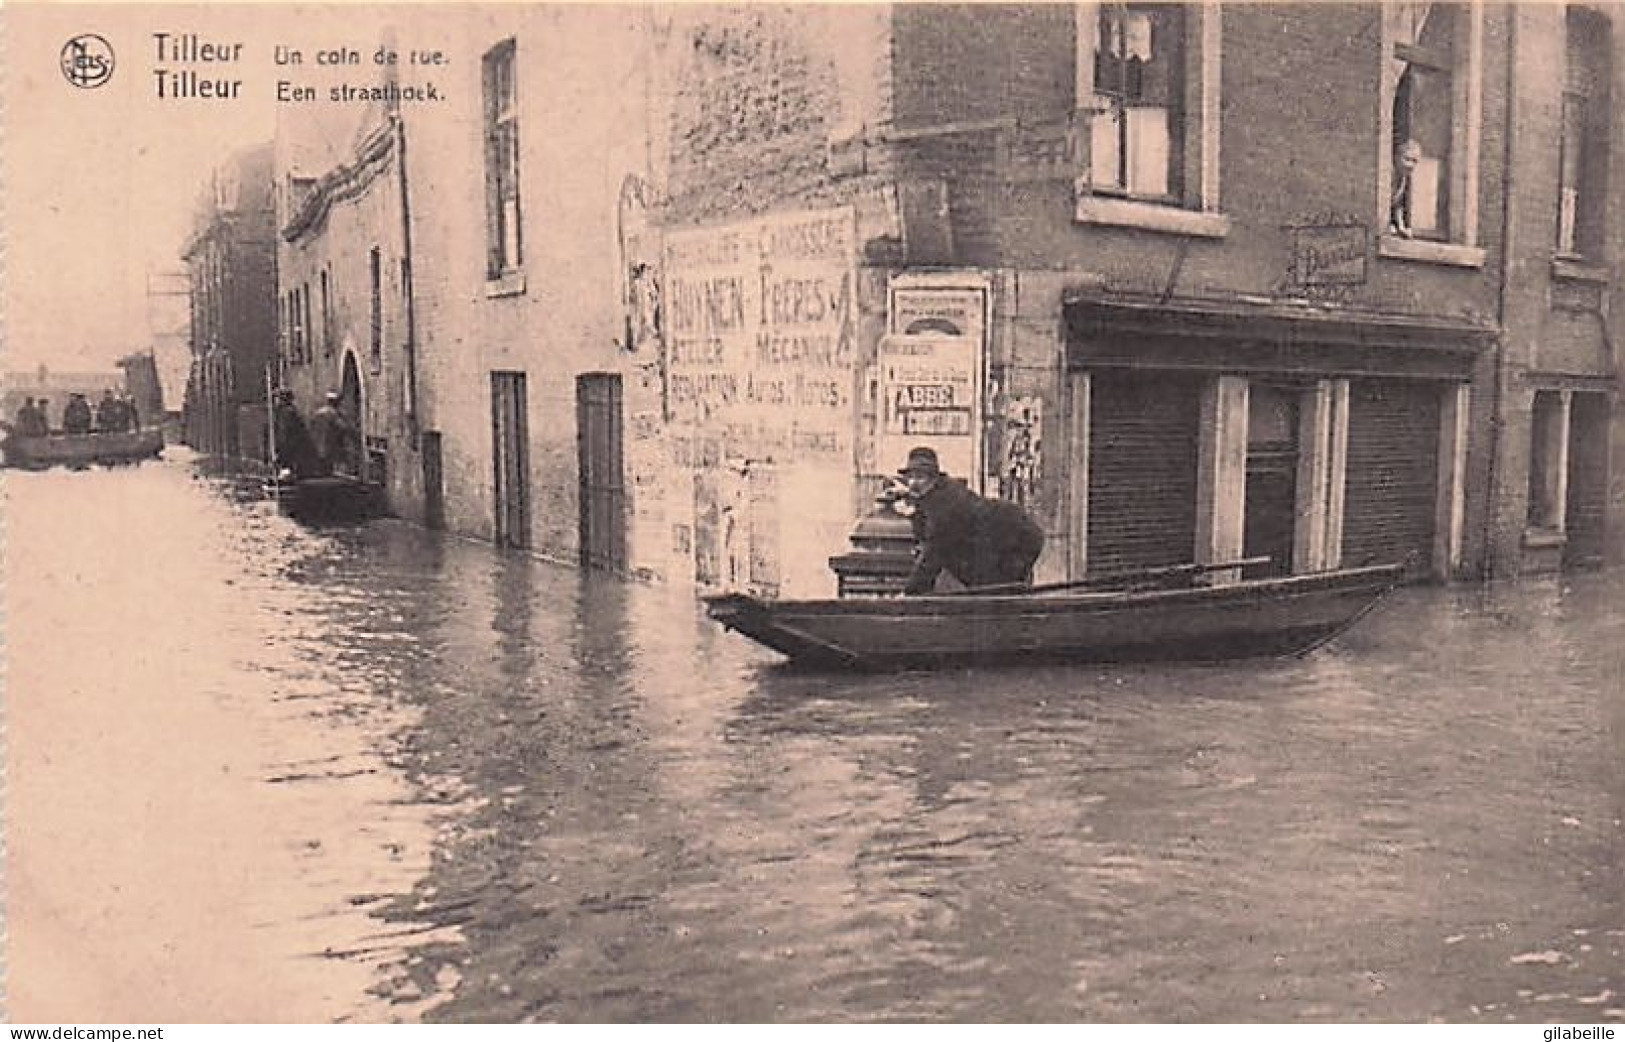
x,y
1331,254
930,394
933,370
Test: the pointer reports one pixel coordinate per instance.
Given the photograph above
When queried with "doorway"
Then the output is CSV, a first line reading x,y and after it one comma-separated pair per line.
x,y
602,499
434,481
1272,479
510,460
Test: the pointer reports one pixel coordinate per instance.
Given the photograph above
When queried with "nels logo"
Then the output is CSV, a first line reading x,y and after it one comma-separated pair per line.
x,y
87,60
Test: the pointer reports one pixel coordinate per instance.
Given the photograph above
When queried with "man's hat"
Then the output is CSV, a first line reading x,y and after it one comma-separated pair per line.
x,y
332,396
921,461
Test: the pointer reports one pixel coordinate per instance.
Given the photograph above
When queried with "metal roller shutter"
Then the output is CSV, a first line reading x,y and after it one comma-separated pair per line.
x,y
1143,430
1393,474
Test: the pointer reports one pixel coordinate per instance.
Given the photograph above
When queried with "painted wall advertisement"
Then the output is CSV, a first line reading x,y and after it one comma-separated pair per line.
x,y
759,325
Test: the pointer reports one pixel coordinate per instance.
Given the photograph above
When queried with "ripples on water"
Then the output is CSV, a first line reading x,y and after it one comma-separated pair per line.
x,y
641,817
1422,821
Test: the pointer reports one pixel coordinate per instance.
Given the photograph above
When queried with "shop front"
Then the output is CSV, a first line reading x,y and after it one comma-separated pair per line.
x,y
1293,438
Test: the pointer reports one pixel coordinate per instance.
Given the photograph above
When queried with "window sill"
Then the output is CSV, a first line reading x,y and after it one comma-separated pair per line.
x,y
1578,269
1451,254
1543,538
508,284
1151,217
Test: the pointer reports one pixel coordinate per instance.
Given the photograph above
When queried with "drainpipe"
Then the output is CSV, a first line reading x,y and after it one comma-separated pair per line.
x,y
406,283
1508,238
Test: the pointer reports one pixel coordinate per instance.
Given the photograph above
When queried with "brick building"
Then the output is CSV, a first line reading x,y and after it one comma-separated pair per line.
x,y
1326,284
1191,281
231,264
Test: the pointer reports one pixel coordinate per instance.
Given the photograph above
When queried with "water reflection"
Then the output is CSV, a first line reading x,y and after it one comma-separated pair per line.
x,y
1421,821
638,816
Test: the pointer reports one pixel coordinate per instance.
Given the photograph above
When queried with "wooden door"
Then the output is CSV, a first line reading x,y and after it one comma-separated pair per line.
x,y
510,459
602,498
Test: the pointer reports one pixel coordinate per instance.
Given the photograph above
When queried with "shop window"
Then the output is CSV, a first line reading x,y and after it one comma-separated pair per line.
x,y
1148,93
1431,107
504,242
1583,160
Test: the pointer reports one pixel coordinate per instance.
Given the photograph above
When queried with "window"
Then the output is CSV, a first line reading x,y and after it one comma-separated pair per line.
x,y
1148,99
1583,159
1431,113
376,315
296,328
304,317
1548,460
327,317
1137,136
504,241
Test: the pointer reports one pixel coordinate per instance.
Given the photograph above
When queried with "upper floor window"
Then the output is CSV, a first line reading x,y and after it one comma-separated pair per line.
x,y
504,242
327,316
1148,89
1137,137
1583,162
1431,110
375,306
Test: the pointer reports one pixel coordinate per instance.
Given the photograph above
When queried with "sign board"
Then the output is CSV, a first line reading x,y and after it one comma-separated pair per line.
x,y
933,369
1329,254
930,394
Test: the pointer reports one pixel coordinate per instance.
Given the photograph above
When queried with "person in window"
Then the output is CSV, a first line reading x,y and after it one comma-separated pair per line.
x,y
333,435
1399,208
979,541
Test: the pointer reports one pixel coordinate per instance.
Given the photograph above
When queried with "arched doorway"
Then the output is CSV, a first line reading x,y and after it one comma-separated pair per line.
x,y
350,405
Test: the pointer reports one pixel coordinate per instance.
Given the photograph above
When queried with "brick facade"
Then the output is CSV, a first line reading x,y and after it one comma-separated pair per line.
x,y
720,202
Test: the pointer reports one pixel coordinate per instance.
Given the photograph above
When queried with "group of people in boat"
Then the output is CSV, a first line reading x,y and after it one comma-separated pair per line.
x,y
113,414
980,541
326,445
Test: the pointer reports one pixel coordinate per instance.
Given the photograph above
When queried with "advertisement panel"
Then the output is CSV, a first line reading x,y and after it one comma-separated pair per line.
x,y
930,394
932,370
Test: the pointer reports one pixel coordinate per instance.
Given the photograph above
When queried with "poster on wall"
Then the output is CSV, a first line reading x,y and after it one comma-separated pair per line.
x,y
932,370
929,394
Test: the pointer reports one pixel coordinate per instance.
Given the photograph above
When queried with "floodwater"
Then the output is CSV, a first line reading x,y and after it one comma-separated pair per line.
x,y
540,795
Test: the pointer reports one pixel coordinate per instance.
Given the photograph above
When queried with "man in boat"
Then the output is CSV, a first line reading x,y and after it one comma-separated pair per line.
x,y
295,451
42,417
76,415
110,412
30,422
979,541
333,435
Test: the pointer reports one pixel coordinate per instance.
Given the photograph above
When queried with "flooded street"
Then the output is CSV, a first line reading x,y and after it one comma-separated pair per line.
x,y
260,772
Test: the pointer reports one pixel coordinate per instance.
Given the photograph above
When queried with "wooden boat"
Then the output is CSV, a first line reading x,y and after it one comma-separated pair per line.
x,y
82,450
334,498
1063,622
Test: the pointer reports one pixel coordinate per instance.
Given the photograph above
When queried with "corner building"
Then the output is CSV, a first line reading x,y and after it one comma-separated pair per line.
x,y
1203,282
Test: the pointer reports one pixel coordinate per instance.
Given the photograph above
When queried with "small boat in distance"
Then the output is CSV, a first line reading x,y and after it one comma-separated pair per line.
x,y
37,452
1065,622
329,499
